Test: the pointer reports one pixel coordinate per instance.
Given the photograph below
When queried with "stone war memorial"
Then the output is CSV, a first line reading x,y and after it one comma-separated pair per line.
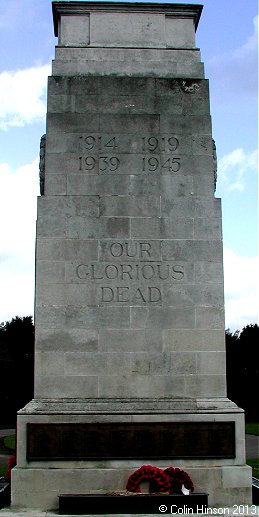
x,y
129,306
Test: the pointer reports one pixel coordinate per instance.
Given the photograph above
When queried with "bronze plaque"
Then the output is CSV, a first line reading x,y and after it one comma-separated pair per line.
x,y
130,441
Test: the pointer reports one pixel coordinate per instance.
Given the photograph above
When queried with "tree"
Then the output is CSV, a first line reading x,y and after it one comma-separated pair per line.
x,y
16,365
242,369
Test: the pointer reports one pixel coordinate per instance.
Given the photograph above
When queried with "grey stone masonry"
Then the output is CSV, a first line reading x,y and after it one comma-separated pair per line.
x,y
129,305
132,241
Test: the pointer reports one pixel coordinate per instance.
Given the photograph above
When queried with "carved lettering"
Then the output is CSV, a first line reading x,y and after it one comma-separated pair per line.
x,y
124,294
177,272
148,271
94,153
155,163
130,272
107,294
131,249
102,163
153,143
98,143
145,249
126,270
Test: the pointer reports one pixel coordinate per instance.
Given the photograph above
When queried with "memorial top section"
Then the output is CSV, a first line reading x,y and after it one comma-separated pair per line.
x,y
125,25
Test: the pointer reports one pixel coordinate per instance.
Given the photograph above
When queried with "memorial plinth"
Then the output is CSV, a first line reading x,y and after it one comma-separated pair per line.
x,y
129,309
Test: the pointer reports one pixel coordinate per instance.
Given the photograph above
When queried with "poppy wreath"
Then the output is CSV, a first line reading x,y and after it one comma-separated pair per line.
x,y
178,478
159,480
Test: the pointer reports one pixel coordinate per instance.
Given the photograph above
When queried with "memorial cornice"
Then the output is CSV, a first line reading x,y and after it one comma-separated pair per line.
x,y
71,7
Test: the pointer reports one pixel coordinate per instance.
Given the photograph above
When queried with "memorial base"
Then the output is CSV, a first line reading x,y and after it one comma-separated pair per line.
x,y
43,472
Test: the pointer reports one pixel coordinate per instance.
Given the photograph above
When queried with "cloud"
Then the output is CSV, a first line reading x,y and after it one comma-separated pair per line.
x,y
236,71
251,45
241,290
18,196
23,96
234,168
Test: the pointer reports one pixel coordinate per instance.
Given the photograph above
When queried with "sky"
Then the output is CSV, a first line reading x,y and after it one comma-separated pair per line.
x,y
227,37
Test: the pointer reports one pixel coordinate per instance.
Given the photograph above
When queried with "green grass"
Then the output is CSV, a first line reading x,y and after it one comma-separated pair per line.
x,y
254,463
3,471
9,442
252,428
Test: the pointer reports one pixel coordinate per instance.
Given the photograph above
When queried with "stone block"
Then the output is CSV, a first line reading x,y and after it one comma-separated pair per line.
x,y
50,317
68,206
97,317
195,124
65,163
56,386
55,185
51,227
49,363
60,85
80,184
183,363
50,272
84,363
237,478
66,295
124,86
211,363
151,363
203,183
61,103
169,317
134,29
123,340
139,386
129,68
129,206
190,250
66,339
86,228
208,272
132,55
145,185
204,229
161,228
70,123
209,317
212,385
75,31
129,123
196,294
66,249
179,33
194,339
97,104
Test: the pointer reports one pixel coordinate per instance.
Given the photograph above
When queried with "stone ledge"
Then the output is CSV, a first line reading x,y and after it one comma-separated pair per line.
x,y
130,406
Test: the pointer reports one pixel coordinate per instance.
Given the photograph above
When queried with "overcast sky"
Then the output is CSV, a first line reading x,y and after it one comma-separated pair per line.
x,y
227,36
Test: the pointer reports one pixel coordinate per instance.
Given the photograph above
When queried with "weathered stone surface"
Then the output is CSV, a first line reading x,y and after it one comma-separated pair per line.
x,y
129,306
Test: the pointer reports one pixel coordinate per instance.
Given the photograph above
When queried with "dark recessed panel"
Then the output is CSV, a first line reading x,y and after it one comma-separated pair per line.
x,y
130,441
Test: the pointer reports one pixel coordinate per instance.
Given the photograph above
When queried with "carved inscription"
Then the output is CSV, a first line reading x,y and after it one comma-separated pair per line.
x,y
103,154
102,163
161,144
154,163
130,273
130,440
154,271
134,281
